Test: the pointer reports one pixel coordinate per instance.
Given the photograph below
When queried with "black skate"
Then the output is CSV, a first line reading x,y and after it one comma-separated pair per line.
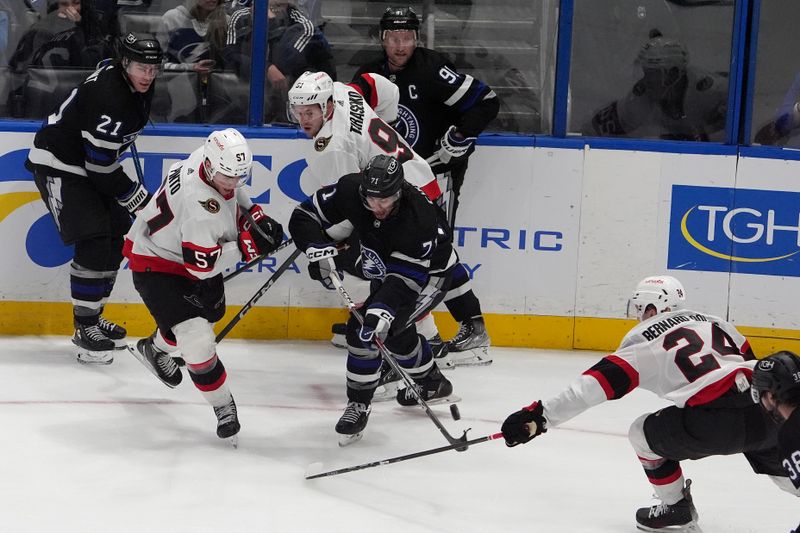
x,y
680,516
339,338
434,388
228,422
350,426
113,331
440,352
470,346
94,348
159,363
388,384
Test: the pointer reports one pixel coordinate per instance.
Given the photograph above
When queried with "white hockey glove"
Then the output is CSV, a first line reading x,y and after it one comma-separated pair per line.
x,y
136,199
318,265
454,145
377,321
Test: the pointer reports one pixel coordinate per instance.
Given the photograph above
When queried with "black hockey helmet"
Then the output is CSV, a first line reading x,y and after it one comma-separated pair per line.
x,y
779,374
399,18
141,47
382,178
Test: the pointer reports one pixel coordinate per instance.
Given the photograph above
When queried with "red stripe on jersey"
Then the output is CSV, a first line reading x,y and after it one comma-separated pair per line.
x,y
210,387
628,369
205,366
718,388
372,97
601,379
747,351
608,388
432,190
146,263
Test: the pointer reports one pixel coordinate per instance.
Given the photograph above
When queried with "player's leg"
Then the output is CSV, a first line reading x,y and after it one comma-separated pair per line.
x,y
470,345
363,374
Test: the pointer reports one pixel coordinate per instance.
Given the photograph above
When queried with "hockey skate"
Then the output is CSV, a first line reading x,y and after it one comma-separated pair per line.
x,y
228,422
114,332
388,384
339,338
350,426
470,346
441,353
433,388
159,363
680,516
93,348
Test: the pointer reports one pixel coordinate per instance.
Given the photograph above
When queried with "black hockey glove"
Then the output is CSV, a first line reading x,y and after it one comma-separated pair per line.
x,y
524,425
262,239
377,321
135,199
454,145
319,267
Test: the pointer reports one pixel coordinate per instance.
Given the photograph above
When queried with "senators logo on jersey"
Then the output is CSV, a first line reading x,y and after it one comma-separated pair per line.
x,y
321,143
211,205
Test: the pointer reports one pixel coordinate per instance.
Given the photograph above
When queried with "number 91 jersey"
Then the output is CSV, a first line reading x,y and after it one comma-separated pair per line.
x,y
355,134
188,228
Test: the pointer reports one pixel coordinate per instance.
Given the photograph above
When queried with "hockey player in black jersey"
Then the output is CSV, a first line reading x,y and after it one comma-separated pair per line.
x,y
75,163
776,387
406,253
440,115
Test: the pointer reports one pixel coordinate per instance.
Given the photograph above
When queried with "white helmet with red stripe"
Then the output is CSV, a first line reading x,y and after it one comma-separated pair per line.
x,y
227,151
664,293
312,88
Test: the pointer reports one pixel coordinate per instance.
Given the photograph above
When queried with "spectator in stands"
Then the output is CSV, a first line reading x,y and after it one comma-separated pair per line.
x,y
673,100
294,46
195,36
787,119
442,111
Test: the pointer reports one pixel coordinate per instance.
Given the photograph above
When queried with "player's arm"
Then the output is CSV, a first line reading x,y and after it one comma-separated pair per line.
x,y
610,379
380,94
472,101
204,254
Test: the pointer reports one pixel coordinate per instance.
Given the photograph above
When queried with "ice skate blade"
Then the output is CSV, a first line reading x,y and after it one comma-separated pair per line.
x,y
139,357
691,527
120,344
436,401
86,357
347,440
471,357
233,441
339,341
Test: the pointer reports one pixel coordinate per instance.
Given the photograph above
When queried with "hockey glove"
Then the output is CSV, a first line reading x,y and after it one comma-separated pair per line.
x,y
135,199
260,239
524,425
318,266
454,145
377,321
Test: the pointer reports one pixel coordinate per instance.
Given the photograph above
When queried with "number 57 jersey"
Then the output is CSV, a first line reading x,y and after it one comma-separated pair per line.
x,y
188,228
686,357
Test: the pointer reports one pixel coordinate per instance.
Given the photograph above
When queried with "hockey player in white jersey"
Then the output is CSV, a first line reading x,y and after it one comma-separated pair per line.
x,y
198,225
700,363
349,124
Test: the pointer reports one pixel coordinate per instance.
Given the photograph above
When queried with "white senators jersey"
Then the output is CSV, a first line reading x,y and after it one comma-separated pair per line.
x,y
686,357
187,228
355,134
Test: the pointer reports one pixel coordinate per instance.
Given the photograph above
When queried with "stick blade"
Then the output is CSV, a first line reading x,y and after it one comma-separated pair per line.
x,y
313,469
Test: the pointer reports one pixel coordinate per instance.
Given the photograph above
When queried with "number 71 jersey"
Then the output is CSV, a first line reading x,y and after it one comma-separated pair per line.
x,y
188,228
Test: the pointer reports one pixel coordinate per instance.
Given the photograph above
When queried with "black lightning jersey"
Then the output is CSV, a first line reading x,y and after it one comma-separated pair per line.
x,y
789,445
434,96
92,128
402,251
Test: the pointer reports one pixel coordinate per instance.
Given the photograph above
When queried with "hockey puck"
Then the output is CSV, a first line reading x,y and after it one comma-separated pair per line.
x,y
456,414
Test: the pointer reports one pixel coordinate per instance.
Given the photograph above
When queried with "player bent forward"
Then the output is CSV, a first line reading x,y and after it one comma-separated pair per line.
x,y
407,255
699,362
198,225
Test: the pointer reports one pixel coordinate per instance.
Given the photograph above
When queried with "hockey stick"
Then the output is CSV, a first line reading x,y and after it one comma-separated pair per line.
x,y
264,288
252,262
137,164
461,441
400,458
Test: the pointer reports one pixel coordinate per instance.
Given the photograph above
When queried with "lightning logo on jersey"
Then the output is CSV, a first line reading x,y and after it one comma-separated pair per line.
x,y
371,264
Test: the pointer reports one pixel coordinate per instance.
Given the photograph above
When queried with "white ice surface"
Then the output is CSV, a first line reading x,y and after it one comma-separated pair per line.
x,y
111,449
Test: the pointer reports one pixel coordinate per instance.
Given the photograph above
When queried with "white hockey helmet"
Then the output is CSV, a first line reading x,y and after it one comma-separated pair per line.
x,y
312,88
665,293
227,151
